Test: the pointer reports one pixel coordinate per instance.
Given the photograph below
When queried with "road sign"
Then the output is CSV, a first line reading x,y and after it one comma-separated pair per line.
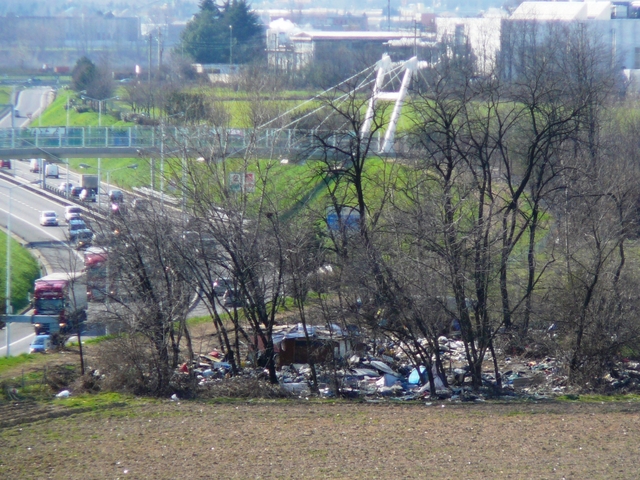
x,y
242,182
250,182
235,182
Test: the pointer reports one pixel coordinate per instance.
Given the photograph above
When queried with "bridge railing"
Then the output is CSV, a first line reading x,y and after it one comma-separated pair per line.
x,y
171,138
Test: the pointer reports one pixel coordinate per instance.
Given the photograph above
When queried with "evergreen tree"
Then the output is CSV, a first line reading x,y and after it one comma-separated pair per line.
x,y
83,74
208,38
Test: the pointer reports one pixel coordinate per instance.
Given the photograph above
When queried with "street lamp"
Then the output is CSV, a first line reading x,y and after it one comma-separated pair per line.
x,y
85,97
162,135
132,167
8,308
230,49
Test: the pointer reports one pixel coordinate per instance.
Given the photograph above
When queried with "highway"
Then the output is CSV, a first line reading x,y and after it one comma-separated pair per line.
x,y
31,103
49,241
26,206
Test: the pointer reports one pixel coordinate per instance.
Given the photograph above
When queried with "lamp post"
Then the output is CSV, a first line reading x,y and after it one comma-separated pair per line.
x,y
8,308
86,97
67,111
132,167
99,125
230,49
162,135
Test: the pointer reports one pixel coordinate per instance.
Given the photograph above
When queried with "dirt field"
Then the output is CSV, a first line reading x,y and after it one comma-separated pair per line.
x,y
170,440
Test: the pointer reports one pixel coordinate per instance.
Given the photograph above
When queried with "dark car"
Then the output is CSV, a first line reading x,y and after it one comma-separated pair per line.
x,y
221,285
116,196
5,163
141,204
231,298
75,191
118,209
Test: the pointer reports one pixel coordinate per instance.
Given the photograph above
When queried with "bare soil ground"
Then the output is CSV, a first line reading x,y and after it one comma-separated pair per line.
x,y
169,440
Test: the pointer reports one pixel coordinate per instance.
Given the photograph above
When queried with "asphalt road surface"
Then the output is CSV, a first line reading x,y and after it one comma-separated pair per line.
x,y
31,103
49,241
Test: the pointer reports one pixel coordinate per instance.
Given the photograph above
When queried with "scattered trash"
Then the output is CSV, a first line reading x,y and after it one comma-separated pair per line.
x,y
349,365
174,398
64,394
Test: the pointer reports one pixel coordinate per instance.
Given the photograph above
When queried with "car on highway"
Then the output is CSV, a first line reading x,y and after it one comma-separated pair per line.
x,y
116,196
231,298
221,285
87,195
76,224
51,170
5,163
72,212
49,218
76,191
79,233
141,204
35,165
118,209
41,344
65,187
82,239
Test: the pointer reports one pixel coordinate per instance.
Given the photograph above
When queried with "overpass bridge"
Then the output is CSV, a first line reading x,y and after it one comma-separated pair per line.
x,y
88,142
106,142
126,142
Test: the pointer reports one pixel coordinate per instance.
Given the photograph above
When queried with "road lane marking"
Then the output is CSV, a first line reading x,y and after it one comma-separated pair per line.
x,y
18,341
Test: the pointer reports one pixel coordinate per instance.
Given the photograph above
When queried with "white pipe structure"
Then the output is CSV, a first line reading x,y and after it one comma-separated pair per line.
x,y
410,66
385,66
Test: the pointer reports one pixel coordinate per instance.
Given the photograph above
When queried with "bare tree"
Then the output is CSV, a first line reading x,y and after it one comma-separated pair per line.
x,y
149,296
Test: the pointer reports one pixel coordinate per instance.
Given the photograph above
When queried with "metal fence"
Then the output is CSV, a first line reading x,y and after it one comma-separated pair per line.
x,y
171,139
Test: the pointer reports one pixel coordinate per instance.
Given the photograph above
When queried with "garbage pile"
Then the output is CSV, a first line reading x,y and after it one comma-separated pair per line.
x,y
386,371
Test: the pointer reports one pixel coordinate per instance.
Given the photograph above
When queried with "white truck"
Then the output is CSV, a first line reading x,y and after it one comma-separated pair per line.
x,y
90,185
52,170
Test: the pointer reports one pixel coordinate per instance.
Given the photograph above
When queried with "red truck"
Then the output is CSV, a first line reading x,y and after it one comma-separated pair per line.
x,y
62,294
95,266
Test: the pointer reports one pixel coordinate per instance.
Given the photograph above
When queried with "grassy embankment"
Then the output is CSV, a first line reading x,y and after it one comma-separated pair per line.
x,y
5,92
24,270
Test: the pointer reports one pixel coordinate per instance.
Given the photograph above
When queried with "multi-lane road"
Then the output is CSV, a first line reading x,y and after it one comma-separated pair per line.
x,y
49,242
54,253
31,103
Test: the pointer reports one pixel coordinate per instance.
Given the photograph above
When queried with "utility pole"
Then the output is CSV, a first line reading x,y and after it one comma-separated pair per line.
x,y
415,37
389,15
150,48
160,48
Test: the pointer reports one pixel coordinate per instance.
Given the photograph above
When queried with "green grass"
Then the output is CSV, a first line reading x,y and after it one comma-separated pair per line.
x,y
5,92
24,270
97,401
593,398
7,363
92,341
56,113
120,175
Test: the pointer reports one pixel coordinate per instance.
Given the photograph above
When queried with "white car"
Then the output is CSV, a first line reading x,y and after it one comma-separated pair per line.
x,y
49,218
65,187
71,212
